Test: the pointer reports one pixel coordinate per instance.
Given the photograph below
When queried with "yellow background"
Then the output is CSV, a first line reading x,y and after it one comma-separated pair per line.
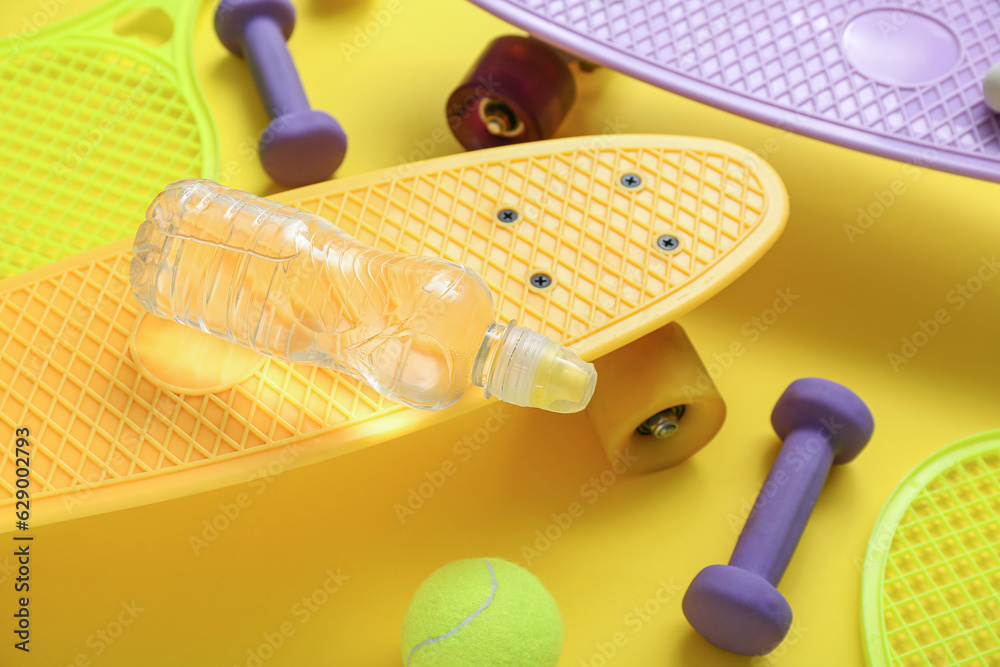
x,y
643,535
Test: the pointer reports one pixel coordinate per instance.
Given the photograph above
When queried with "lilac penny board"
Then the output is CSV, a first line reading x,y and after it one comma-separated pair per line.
x,y
901,80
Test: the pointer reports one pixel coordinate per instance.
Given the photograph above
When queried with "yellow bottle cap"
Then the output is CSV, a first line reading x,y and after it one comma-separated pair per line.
x,y
563,381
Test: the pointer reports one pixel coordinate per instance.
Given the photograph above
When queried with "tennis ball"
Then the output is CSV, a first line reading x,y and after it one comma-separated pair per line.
x,y
485,612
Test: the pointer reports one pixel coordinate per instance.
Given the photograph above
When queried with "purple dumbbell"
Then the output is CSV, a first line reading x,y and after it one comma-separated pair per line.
x,y
737,607
301,145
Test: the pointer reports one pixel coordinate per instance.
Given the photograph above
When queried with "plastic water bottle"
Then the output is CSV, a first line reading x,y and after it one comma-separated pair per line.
x,y
289,284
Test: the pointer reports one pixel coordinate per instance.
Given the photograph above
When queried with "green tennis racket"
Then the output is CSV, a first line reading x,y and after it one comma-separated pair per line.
x,y
97,113
931,583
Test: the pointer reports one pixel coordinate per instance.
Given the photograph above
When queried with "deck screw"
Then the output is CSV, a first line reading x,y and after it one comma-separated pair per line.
x,y
668,243
540,280
631,181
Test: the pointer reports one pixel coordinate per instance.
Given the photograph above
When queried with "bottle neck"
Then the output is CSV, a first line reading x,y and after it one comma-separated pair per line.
x,y
486,357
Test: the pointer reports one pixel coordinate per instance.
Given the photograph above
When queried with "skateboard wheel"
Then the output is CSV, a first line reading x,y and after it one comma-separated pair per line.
x,y
655,402
991,88
519,90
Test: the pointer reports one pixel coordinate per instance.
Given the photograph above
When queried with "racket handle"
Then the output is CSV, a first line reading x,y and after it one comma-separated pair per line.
x,y
301,145
736,606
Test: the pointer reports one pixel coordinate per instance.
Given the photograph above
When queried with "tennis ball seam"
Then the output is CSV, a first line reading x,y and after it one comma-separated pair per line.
x,y
433,640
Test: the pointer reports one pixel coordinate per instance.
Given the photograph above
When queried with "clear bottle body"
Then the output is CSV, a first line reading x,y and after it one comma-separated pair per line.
x,y
291,285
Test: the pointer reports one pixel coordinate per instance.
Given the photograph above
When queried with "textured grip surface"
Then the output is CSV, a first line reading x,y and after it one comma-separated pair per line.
x,y
820,68
931,586
109,435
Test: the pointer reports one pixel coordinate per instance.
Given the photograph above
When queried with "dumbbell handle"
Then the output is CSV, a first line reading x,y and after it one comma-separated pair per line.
x,y
273,69
784,504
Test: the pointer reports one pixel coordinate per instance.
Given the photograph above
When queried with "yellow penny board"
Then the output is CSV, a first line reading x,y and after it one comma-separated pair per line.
x,y
106,433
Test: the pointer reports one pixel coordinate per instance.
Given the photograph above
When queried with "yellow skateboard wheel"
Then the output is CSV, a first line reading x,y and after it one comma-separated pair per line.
x,y
655,402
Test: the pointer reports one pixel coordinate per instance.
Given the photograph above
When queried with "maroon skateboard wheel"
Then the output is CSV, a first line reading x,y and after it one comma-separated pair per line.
x,y
519,90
